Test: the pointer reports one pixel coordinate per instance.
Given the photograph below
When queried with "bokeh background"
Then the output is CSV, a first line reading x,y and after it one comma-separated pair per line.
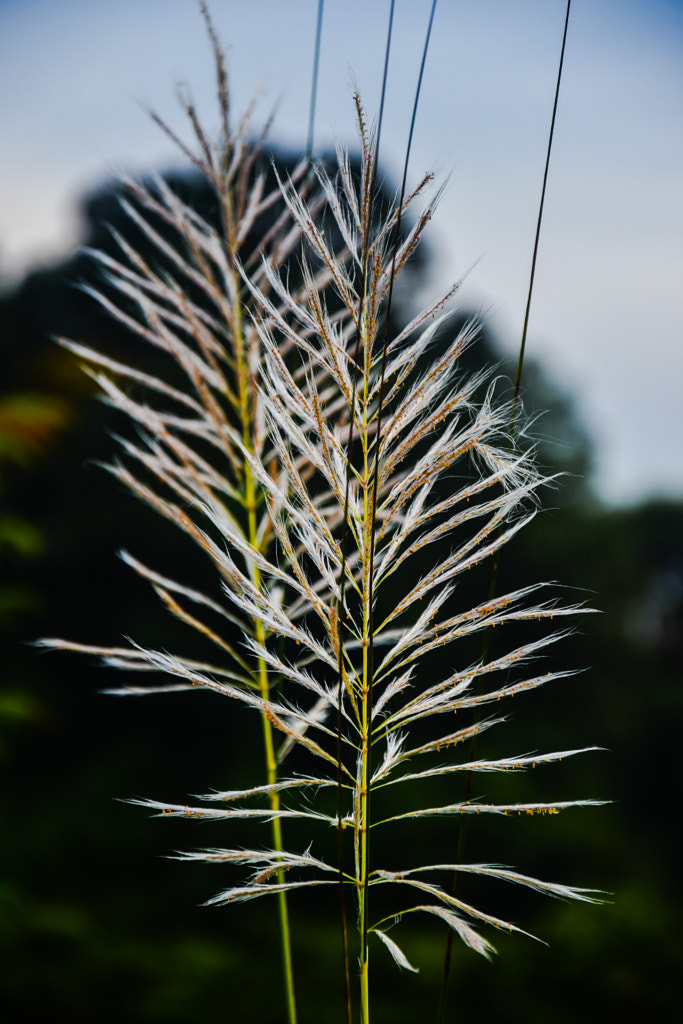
x,y
94,922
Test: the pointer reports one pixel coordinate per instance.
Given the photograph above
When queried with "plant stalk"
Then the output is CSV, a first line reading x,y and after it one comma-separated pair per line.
x,y
249,492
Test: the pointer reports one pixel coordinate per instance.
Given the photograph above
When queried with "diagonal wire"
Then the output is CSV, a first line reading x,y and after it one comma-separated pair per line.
x,y
494,567
314,82
522,348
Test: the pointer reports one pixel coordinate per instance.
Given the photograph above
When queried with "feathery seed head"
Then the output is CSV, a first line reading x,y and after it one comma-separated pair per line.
x,y
340,483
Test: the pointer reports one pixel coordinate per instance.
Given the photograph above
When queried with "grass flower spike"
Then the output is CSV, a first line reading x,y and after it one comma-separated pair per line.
x,y
342,483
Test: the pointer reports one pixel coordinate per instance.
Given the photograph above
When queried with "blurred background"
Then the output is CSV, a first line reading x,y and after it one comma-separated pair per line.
x,y
93,920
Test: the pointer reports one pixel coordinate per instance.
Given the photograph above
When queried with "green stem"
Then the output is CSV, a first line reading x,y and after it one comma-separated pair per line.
x,y
365,329
363,879
276,829
271,770
249,485
366,721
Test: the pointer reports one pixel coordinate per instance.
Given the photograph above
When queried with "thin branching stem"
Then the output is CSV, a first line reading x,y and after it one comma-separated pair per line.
x,y
385,341
367,327
245,395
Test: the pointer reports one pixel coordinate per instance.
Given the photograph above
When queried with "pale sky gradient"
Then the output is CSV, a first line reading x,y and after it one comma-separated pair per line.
x,y
607,319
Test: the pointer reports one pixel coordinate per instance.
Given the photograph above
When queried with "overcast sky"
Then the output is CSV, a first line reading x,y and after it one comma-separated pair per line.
x,y
607,319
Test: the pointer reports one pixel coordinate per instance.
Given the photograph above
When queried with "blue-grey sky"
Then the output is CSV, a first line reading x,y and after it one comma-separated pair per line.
x,y
607,319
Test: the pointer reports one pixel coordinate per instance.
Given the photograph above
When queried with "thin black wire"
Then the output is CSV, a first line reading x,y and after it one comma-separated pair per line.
x,y
314,82
494,568
520,362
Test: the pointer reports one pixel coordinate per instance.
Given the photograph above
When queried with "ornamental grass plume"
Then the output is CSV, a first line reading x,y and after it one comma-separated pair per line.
x,y
341,481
